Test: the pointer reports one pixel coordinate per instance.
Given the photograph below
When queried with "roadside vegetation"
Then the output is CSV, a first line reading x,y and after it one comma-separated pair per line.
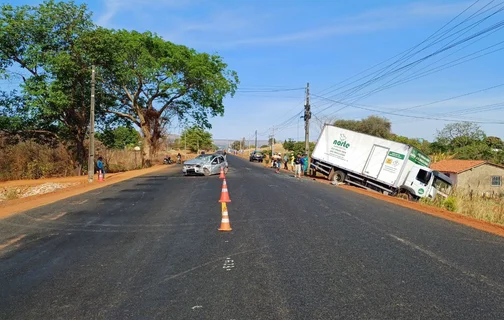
x,y
143,85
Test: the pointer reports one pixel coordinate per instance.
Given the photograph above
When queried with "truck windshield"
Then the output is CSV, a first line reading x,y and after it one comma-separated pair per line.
x,y
442,186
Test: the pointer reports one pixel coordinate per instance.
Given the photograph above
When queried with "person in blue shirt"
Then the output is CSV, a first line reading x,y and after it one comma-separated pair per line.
x,y
306,162
101,166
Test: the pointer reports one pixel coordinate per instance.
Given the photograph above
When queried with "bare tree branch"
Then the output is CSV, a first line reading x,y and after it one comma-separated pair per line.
x,y
124,115
167,104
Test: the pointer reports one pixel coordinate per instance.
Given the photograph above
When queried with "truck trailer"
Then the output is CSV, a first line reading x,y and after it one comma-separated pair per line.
x,y
378,164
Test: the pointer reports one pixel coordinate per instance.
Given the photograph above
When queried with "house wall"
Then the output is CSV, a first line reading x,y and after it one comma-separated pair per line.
x,y
479,179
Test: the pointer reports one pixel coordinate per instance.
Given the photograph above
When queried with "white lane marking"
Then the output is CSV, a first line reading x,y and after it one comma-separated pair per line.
x,y
479,277
197,307
228,264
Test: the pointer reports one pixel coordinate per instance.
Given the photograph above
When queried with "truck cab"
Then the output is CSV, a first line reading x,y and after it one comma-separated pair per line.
x,y
423,182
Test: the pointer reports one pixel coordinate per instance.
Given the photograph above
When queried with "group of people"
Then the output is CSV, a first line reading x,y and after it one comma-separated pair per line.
x,y
299,164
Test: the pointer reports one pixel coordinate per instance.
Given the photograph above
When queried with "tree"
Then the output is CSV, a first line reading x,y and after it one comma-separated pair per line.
x,y
119,138
475,151
197,139
154,81
288,144
420,144
271,141
299,147
372,125
494,142
235,145
458,135
44,43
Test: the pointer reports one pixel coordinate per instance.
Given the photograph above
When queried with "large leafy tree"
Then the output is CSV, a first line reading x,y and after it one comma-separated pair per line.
x,y
458,135
42,46
154,81
196,138
119,138
372,125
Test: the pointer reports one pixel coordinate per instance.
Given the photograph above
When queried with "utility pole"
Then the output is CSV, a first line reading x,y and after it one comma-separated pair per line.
x,y
255,146
272,140
91,128
307,117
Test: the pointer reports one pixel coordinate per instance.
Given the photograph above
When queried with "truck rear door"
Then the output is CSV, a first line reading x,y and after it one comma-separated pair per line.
x,y
375,161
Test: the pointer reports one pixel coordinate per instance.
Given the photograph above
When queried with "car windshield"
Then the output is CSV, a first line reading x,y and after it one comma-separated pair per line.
x,y
205,157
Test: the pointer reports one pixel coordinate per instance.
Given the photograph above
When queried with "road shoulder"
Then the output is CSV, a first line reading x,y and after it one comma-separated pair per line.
x,y
11,207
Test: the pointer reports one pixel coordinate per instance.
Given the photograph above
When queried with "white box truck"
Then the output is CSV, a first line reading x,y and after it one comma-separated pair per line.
x,y
378,164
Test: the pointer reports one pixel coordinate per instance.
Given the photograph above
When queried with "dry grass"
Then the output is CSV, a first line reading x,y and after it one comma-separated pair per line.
x,y
482,208
30,160
474,206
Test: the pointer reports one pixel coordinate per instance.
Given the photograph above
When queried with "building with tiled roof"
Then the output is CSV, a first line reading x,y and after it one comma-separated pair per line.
x,y
473,175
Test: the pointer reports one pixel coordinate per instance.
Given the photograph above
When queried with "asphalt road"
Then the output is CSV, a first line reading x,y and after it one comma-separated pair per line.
x,y
148,248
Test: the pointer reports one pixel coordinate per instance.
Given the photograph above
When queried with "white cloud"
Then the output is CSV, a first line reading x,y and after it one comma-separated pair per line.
x,y
245,27
113,7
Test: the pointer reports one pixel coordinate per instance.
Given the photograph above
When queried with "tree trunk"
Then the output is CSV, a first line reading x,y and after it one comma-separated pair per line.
x,y
146,151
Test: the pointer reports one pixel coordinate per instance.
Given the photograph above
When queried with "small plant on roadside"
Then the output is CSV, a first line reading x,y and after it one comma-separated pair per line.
x,y
11,194
450,204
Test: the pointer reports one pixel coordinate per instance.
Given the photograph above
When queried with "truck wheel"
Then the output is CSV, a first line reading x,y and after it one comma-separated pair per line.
x,y
206,172
339,176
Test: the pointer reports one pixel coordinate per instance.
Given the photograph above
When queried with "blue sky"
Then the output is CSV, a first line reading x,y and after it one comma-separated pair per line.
x,y
277,45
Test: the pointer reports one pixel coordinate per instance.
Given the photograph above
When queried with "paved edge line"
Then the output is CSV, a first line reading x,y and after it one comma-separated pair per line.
x,y
25,204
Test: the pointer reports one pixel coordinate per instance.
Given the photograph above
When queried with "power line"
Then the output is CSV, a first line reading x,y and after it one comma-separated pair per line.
x,y
415,117
404,52
445,48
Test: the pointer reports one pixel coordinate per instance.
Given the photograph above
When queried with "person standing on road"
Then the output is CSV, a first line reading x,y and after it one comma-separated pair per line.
x,y
297,166
292,158
278,163
306,163
286,161
101,166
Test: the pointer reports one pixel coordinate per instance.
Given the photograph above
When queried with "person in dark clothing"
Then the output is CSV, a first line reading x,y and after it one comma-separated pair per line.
x,y
297,166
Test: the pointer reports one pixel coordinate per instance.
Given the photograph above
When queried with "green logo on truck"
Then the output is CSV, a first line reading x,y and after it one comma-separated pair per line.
x,y
421,191
342,142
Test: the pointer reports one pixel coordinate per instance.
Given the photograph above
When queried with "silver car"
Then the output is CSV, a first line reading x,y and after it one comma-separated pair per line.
x,y
206,164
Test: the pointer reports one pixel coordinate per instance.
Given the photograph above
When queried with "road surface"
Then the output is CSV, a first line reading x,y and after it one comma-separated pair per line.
x,y
148,248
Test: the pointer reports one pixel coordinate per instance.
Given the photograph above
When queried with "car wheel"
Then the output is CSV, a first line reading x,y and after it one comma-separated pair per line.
x,y
206,172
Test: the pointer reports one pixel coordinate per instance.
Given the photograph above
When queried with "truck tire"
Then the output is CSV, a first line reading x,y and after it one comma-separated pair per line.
x,y
339,176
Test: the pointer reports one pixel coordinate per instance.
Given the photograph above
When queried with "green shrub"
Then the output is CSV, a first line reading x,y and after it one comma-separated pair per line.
x,y
450,204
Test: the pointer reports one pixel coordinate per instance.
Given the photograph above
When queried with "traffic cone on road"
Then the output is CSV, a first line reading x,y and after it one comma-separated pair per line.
x,y
224,193
222,175
225,225
100,176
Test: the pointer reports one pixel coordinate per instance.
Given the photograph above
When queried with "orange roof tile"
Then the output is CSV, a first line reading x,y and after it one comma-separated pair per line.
x,y
456,166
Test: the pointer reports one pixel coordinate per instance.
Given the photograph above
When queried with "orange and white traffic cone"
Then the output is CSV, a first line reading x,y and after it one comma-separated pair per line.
x,y
100,176
225,225
224,193
222,175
